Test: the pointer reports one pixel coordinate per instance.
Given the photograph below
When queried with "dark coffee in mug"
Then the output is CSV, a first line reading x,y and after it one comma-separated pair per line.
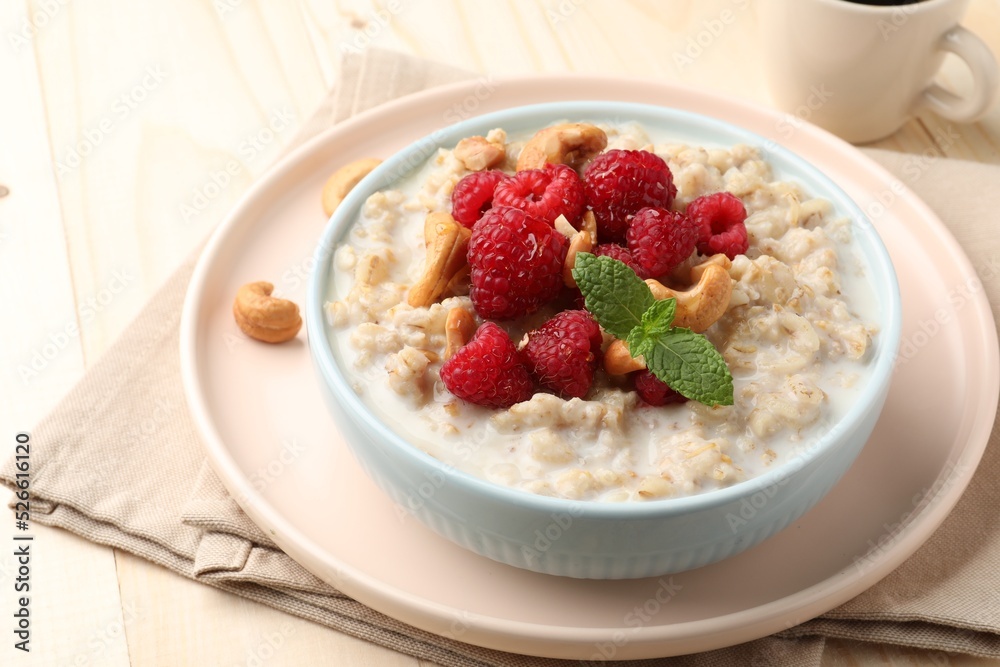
x,y
885,3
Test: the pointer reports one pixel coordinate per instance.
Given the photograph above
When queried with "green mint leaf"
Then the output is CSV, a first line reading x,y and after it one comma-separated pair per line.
x,y
612,293
623,304
655,323
691,365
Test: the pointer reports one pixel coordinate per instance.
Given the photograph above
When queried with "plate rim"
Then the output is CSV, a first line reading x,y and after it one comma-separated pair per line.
x,y
739,626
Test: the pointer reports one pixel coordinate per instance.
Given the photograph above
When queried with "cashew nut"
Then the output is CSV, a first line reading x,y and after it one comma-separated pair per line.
x,y
582,241
698,269
588,223
264,317
459,327
697,309
459,283
619,361
447,242
478,153
700,306
343,181
568,143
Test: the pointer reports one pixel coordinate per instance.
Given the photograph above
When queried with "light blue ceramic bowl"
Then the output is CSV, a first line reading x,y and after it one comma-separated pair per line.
x,y
592,539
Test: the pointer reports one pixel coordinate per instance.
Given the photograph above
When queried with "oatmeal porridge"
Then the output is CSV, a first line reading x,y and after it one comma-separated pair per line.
x,y
795,334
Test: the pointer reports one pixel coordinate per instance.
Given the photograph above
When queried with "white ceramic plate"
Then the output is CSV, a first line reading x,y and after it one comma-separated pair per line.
x,y
269,437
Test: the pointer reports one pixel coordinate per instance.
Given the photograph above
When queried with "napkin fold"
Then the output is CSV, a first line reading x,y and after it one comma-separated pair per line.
x,y
119,462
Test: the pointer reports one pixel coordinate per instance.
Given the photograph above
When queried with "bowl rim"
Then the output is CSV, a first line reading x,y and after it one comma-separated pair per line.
x,y
882,276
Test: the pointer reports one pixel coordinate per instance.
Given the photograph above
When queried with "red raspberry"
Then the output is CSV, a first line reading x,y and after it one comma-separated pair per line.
x,y
655,391
544,193
660,239
515,263
618,183
619,252
563,353
488,371
720,219
473,195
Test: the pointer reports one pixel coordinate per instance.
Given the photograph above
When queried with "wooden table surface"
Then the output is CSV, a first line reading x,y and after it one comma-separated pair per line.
x,y
113,114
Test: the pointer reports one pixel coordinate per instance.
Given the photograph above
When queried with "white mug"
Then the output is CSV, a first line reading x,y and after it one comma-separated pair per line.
x,y
861,70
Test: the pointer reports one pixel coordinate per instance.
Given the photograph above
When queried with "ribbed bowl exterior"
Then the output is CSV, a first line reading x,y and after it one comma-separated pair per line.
x,y
579,543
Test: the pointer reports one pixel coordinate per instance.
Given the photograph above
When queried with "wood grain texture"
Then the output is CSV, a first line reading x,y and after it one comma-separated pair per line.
x,y
42,358
77,615
137,126
42,353
181,622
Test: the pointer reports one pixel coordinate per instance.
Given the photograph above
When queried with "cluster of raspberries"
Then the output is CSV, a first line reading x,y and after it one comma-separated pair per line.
x,y
516,266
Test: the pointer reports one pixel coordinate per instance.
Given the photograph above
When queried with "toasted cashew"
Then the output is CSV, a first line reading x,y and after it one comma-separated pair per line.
x,y
697,309
264,317
343,181
588,223
459,327
581,242
698,269
700,306
478,153
568,143
459,283
619,361
447,242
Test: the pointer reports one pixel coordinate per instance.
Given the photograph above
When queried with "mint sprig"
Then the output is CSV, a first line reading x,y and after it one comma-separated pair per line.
x,y
655,323
624,305
612,293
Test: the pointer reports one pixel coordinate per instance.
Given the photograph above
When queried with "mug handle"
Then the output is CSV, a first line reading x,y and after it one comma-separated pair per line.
x,y
985,78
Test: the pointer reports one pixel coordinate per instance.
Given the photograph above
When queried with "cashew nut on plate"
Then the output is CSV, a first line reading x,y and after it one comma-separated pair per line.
x,y
343,181
568,143
264,317
447,242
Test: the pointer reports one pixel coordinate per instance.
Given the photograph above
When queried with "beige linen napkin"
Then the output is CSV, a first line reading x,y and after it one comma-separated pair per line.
x,y
96,475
